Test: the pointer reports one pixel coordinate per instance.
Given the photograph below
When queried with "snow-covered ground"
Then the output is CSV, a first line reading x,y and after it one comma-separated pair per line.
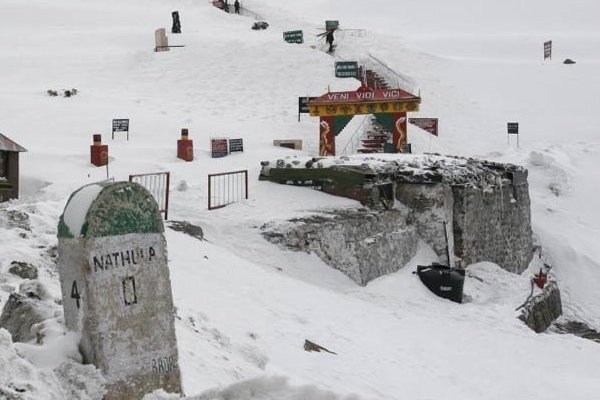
x,y
244,306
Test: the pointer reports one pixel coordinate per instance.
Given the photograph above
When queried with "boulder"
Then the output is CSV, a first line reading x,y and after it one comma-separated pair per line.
x,y
23,270
19,315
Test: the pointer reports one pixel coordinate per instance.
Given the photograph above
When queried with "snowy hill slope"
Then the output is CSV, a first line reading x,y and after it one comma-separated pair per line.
x,y
244,306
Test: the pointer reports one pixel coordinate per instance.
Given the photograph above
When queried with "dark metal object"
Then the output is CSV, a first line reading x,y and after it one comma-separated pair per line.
x,y
158,184
227,188
176,28
443,281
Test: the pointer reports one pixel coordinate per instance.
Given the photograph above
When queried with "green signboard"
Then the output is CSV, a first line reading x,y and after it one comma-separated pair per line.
x,y
293,37
329,25
346,69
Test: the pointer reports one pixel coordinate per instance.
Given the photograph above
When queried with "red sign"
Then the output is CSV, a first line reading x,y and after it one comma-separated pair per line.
x,y
363,94
428,124
219,147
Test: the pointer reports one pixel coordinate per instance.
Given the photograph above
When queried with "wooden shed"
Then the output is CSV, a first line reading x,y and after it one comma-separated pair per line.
x,y
9,168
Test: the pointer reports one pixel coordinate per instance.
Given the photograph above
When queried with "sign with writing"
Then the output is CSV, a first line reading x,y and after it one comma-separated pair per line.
x,y
329,25
513,128
236,145
365,95
346,69
428,124
114,274
303,104
548,50
364,101
293,37
219,147
120,125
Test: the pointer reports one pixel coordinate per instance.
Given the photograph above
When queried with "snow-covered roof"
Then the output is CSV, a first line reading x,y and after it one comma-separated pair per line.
x,y
417,168
8,145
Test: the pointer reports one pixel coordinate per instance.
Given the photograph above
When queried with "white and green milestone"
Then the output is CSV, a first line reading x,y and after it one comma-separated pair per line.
x,y
116,288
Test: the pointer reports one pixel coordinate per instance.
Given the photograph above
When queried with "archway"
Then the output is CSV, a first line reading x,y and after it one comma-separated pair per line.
x,y
336,109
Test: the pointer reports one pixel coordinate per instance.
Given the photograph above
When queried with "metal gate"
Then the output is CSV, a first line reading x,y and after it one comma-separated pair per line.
x,y
158,184
226,188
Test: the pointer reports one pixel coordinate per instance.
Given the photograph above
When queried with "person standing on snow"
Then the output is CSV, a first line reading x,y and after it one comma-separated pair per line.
x,y
236,6
329,40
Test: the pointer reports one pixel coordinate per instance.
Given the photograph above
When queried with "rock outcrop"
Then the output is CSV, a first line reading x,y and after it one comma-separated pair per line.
x,y
543,309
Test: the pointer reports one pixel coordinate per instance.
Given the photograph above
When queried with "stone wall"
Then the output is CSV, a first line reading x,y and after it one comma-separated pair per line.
x,y
427,207
543,309
362,244
493,225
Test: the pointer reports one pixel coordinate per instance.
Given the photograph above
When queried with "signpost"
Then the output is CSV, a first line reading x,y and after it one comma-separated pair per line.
x,y
329,25
303,105
428,124
346,69
219,147
513,129
293,37
236,145
120,125
548,50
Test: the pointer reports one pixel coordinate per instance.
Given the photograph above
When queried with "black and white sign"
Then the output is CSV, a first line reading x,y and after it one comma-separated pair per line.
x,y
303,104
513,128
548,50
293,37
120,125
236,145
346,69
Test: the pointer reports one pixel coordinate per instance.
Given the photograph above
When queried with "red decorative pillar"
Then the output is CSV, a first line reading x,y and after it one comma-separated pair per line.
x,y
399,131
326,137
185,147
98,152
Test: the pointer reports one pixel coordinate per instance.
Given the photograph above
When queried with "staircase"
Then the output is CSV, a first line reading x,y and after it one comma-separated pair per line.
x,y
374,138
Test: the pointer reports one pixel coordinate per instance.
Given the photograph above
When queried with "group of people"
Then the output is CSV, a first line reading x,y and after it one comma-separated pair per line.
x,y
236,6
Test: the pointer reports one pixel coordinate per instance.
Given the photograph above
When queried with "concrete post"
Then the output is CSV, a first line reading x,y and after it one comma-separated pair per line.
x,y
161,41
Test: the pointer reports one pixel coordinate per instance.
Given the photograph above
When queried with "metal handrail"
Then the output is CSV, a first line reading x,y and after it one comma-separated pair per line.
x,y
355,138
408,82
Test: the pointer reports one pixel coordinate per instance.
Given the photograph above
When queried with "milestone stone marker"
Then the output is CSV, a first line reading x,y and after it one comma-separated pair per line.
x,y
116,288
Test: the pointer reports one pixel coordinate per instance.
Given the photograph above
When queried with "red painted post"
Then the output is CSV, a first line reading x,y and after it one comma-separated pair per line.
x,y
185,147
98,152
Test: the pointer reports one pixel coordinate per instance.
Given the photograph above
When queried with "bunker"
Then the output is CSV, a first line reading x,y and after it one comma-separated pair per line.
x,y
116,288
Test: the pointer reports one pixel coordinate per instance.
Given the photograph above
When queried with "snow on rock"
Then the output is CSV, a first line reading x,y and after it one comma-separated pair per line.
x,y
417,168
78,206
269,388
21,380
